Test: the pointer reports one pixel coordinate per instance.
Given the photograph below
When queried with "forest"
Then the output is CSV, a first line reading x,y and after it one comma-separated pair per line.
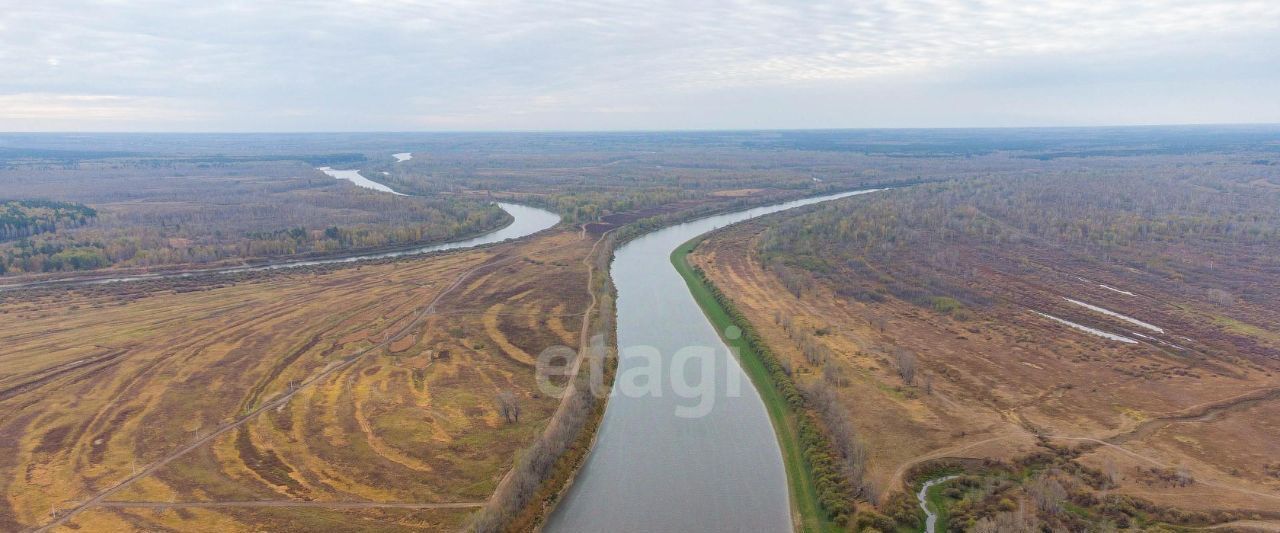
x,y
913,332
1085,343
186,214
1203,231
24,218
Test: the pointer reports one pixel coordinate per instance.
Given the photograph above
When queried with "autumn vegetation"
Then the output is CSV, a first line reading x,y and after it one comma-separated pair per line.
x,y
921,310
901,330
208,220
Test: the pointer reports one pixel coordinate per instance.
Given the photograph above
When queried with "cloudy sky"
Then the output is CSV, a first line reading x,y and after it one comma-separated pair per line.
x,y
408,65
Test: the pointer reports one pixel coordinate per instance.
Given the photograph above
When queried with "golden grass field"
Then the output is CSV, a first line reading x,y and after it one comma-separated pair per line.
x,y
1006,375
97,384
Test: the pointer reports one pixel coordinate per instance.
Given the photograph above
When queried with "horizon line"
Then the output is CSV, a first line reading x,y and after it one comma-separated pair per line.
x,y
642,130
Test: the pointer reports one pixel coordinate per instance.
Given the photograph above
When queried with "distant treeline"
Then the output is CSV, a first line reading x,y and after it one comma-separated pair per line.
x,y
913,243
60,155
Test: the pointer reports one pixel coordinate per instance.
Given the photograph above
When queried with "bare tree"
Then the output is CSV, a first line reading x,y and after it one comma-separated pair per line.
x,y
1221,297
508,406
1112,472
852,451
1018,521
1048,494
835,374
814,352
906,364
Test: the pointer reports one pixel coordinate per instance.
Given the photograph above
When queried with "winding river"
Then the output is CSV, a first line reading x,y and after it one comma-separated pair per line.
x,y
525,221
930,517
691,453
354,176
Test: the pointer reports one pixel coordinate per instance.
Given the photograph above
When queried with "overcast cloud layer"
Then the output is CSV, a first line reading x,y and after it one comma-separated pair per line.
x,y
335,65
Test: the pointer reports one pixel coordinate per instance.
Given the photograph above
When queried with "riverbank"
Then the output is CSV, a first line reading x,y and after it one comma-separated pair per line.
x,y
805,504
563,484
530,491
520,221
931,502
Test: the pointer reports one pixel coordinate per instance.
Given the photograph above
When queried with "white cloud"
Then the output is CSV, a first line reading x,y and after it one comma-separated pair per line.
x,y
502,63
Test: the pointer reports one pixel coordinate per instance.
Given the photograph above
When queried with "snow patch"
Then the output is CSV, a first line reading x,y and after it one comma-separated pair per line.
x,y
1113,289
1087,329
1111,313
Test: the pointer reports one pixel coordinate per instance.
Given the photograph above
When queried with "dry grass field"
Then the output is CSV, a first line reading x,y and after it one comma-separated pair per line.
x,y
992,380
340,399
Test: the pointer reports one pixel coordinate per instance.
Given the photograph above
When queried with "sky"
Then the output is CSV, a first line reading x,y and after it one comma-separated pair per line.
x,y
411,65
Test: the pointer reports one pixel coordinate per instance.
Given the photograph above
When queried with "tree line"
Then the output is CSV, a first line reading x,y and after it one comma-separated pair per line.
x,y
25,218
232,226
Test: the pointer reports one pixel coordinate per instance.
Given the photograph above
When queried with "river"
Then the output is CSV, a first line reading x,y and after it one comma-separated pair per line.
x,y
658,463
354,176
930,517
525,221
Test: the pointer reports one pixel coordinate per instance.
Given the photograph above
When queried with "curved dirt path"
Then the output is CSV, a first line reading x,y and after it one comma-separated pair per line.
x,y
1249,525
1198,413
898,481
1136,455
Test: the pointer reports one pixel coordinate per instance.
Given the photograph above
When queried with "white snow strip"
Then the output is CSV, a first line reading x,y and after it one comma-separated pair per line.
x,y
1087,329
1110,288
1111,313
402,156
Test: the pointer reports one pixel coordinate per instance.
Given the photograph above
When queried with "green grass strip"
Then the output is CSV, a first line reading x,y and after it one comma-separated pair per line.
x,y
804,495
938,503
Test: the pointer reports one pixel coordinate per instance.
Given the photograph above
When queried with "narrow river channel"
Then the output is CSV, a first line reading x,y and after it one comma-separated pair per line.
x,y
691,453
930,517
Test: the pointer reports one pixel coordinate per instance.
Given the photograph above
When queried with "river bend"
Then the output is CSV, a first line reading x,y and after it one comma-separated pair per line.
x,y
657,465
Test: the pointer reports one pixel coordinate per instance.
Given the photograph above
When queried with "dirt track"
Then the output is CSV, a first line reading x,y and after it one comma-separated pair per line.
x,y
583,340
1199,413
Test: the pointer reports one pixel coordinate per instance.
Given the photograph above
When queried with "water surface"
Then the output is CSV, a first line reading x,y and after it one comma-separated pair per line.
x,y
931,518
354,176
656,470
525,221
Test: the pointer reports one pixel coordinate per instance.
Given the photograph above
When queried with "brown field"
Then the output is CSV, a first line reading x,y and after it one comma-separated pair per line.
x,y
1003,375
343,387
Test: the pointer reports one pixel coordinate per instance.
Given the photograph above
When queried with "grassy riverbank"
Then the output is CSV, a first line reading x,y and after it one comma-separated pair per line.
x,y
938,503
800,482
